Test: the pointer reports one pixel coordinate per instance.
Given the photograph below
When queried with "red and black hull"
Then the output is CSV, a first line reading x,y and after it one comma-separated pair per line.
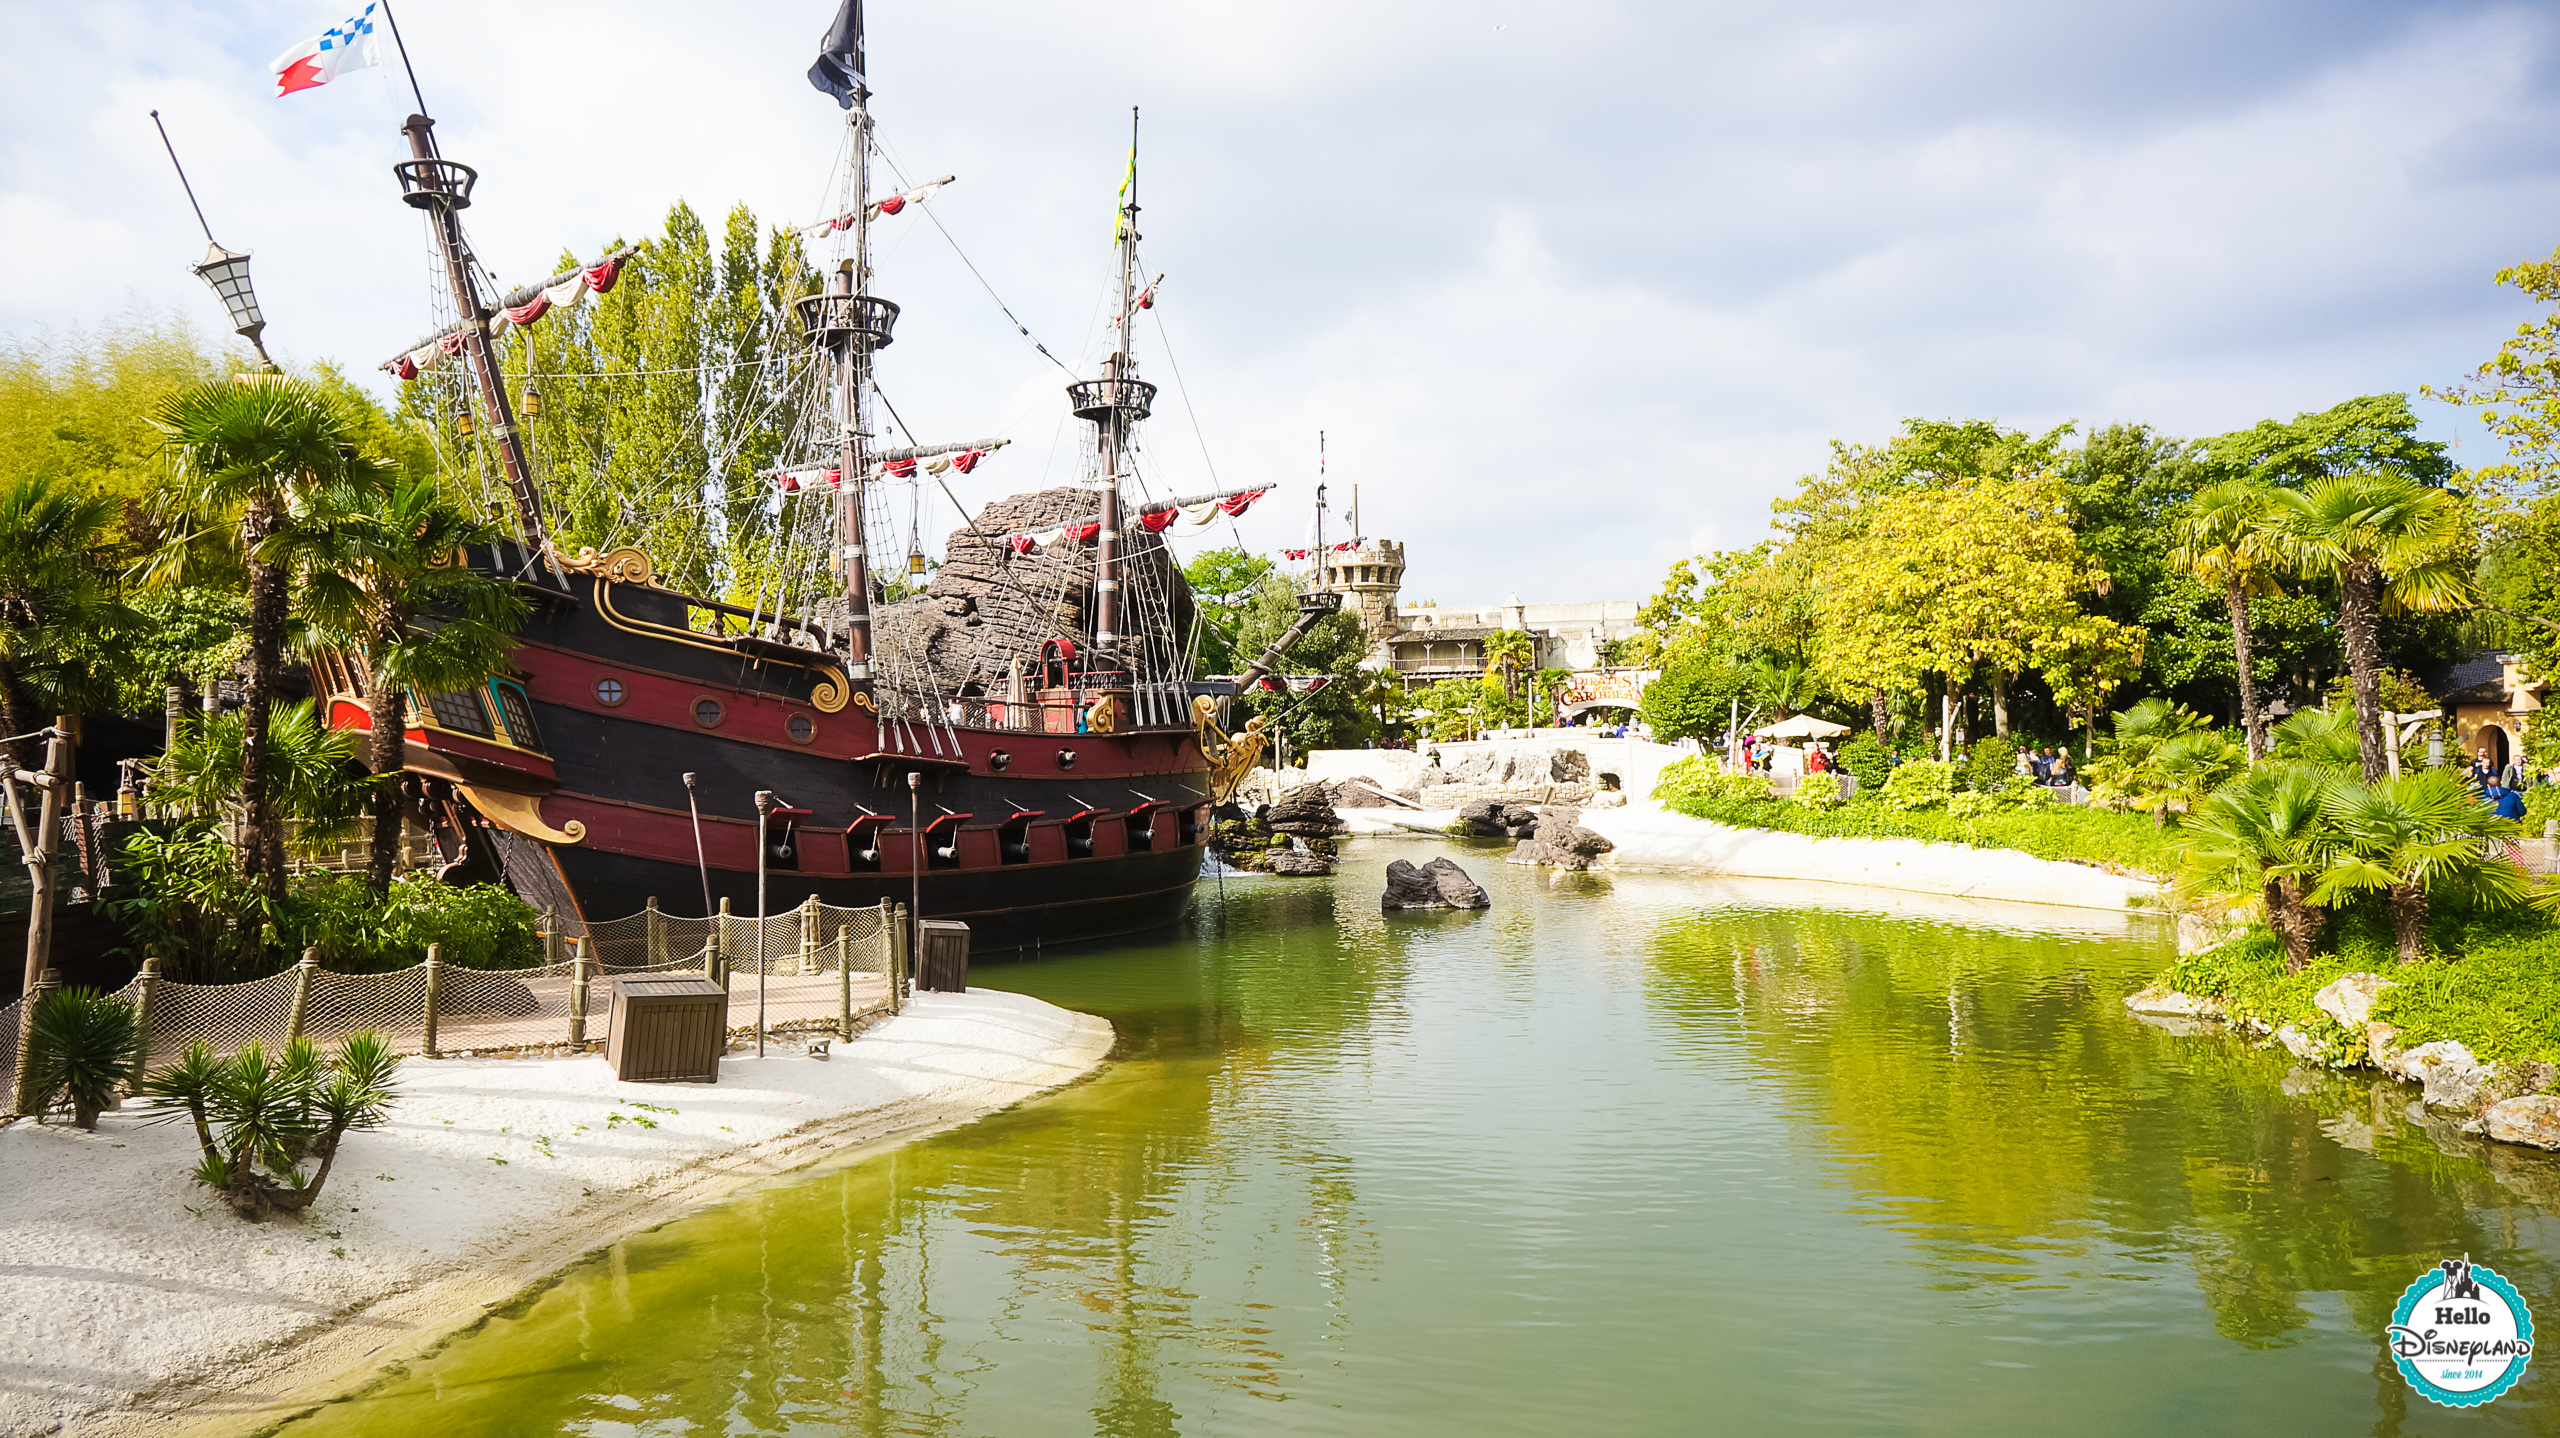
x,y
1026,834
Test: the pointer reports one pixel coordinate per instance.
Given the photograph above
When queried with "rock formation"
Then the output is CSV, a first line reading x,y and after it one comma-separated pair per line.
x,y
1439,884
987,607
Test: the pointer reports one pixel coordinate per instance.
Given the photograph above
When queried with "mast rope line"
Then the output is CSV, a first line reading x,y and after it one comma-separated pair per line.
x,y
927,206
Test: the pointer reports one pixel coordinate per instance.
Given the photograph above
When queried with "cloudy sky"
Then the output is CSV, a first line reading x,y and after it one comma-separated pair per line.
x,y
1573,290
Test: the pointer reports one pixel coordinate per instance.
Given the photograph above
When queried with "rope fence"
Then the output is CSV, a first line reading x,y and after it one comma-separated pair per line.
x,y
821,968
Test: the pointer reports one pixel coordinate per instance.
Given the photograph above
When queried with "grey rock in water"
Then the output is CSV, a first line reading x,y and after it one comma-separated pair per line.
x,y
1307,809
1439,884
2450,1074
1299,864
2532,1119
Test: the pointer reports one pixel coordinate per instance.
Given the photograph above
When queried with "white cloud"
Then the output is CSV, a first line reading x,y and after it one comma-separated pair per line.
x,y
1568,296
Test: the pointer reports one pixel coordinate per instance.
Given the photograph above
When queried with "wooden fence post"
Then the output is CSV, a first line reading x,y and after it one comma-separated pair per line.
x,y
150,980
579,970
898,962
720,946
302,973
435,991
657,933
809,935
551,944
844,986
22,1098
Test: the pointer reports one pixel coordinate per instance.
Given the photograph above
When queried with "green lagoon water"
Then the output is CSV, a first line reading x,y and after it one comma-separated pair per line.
x,y
1624,1155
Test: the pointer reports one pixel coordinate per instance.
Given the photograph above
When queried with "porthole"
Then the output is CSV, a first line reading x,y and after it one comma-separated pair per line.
x,y
802,727
707,712
610,693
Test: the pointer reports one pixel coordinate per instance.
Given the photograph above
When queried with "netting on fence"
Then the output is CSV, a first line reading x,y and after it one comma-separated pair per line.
x,y
816,967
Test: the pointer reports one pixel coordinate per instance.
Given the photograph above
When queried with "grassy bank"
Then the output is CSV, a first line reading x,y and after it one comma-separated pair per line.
x,y
2047,831
2493,985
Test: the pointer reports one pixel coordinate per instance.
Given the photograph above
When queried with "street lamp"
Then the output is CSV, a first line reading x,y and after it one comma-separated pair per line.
x,y
227,271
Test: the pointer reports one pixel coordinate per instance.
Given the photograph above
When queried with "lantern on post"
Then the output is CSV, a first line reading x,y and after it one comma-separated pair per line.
x,y
462,424
530,402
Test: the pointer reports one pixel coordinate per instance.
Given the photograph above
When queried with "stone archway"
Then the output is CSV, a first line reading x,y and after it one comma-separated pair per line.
x,y
2493,744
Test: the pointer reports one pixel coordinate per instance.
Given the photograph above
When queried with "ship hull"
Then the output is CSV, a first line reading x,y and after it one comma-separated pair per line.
x,y
1001,816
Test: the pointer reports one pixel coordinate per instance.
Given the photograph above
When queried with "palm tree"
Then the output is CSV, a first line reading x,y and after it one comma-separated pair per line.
x,y
61,606
2409,837
1510,650
251,461
385,559
2222,539
2267,830
2392,546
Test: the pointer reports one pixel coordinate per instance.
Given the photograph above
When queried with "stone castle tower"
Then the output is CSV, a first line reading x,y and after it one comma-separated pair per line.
x,y
1368,578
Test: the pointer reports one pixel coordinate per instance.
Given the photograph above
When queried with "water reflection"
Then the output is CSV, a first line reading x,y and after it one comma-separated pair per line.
x,y
1632,1154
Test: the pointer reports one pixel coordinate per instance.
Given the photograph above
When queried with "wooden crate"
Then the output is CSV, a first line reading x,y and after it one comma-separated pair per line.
x,y
668,1030
942,959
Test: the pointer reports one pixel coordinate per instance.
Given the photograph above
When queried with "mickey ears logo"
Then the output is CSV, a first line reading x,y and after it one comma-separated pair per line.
x,y
2461,1335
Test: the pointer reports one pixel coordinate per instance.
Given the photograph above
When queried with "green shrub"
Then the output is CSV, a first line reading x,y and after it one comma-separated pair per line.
x,y
81,1046
1920,784
1972,804
185,902
1993,764
481,926
1819,791
1704,780
2541,805
2028,824
1865,758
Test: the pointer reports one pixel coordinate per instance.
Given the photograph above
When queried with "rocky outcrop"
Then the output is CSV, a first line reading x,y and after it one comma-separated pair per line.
x,y
2169,1003
2349,999
2528,1119
2448,1075
1439,884
987,606
1298,864
1558,840
1307,809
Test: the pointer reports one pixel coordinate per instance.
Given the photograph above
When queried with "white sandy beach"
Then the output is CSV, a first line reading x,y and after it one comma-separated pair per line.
x,y
134,1303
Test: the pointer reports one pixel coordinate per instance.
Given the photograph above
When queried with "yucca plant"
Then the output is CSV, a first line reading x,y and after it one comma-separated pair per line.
x,y
259,1115
81,1044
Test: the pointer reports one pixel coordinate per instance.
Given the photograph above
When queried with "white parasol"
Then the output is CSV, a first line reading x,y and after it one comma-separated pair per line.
x,y
1803,726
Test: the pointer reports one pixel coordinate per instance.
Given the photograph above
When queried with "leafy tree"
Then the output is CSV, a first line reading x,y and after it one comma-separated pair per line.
x,y
2409,838
249,457
76,407
2390,544
2516,392
62,607
1333,717
1508,651
1693,696
368,578
1223,582
661,403
2224,540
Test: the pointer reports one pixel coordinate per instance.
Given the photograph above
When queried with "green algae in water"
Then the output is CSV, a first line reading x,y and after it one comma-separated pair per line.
x,y
1635,1154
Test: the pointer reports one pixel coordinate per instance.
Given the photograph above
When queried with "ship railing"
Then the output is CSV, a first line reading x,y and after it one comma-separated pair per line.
x,y
910,721
824,968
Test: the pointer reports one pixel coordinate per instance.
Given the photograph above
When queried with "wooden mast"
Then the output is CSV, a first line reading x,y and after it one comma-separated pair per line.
x,y
442,188
1115,403
853,407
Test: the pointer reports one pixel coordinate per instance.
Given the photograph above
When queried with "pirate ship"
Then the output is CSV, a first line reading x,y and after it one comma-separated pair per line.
x,y
1022,745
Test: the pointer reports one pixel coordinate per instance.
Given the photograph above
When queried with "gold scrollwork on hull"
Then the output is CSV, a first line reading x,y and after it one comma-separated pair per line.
x,y
863,699
829,693
1229,755
522,813
623,566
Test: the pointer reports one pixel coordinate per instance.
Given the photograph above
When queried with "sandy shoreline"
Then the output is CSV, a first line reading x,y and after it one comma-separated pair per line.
x,y
133,1305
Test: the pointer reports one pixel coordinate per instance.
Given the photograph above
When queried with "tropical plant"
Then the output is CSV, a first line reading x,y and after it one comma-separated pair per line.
x,y
81,1045
1704,780
253,460
356,930
2223,540
2326,737
2411,838
259,1116
1509,651
2266,832
1865,758
62,610
2182,770
1920,784
183,899
366,579
310,766
2392,546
